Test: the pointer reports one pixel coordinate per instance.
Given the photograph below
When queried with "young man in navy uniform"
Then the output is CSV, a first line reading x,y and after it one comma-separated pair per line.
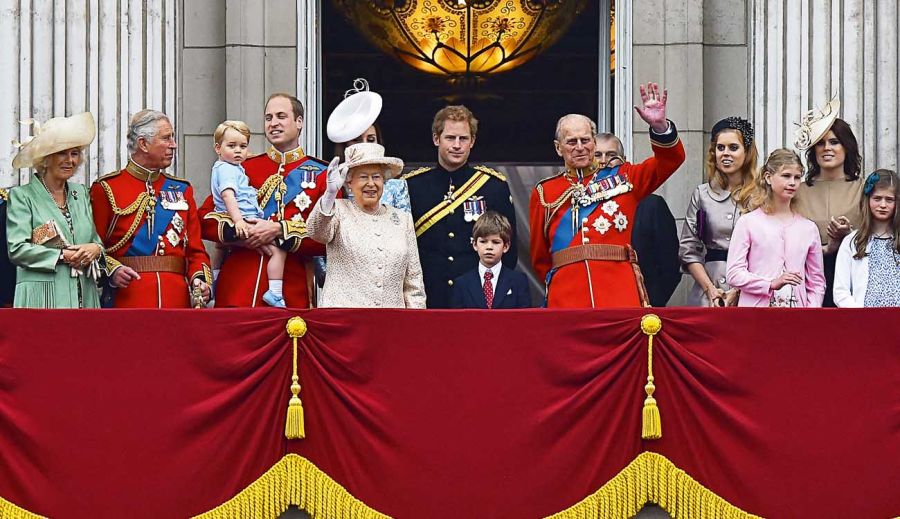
x,y
446,201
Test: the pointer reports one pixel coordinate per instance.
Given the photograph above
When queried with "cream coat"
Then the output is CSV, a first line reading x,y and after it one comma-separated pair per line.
x,y
373,259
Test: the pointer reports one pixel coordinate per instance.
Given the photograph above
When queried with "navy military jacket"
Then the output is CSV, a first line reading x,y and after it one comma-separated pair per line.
x,y
445,246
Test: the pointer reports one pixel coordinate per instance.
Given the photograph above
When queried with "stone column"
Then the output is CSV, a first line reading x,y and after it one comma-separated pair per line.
x,y
233,57
805,51
63,57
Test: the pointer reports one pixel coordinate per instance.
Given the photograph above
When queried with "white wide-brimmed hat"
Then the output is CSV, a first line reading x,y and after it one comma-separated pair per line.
x,y
355,114
57,134
366,153
815,124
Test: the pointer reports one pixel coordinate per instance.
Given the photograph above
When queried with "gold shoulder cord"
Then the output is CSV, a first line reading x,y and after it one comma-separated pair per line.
x,y
269,187
415,172
138,208
563,198
492,172
550,208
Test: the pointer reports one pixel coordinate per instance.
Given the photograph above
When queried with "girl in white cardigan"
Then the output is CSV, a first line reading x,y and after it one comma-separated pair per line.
x,y
868,262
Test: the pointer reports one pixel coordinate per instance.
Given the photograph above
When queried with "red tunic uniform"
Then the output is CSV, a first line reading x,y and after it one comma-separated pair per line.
x,y
570,217
148,221
242,279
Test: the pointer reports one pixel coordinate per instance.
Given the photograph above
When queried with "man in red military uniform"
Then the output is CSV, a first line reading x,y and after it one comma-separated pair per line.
x,y
149,225
288,184
582,218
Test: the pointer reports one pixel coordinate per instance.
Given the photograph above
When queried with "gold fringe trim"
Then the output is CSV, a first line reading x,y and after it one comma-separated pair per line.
x,y
11,511
294,480
652,478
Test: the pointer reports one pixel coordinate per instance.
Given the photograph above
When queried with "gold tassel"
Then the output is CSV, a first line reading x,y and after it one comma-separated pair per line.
x,y
294,428
651,428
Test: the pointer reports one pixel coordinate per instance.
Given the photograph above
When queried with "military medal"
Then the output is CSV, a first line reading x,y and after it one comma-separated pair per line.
x,y
308,178
621,222
172,200
172,236
473,208
177,223
449,196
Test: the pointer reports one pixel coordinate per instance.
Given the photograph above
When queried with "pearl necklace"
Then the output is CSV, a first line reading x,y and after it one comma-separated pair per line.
x,y
65,205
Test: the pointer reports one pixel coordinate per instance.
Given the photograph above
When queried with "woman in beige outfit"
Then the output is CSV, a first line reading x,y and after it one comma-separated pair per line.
x,y
373,259
833,187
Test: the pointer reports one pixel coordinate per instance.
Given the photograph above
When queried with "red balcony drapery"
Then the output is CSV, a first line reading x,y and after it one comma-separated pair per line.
x,y
781,413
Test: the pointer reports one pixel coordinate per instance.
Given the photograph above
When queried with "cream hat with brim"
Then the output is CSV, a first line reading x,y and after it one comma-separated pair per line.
x,y
367,153
815,124
57,134
355,114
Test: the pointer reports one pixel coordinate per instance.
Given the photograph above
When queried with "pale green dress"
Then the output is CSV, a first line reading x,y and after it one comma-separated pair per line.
x,y
42,279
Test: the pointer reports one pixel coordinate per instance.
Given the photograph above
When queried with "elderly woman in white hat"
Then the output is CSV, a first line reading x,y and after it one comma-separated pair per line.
x,y
50,228
373,259
353,121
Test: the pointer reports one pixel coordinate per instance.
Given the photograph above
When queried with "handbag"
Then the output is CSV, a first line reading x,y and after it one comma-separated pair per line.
x,y
702,225
49,235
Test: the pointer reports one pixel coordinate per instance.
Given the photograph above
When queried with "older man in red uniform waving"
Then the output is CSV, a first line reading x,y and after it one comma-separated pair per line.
x,y
149,225
581,218
288,184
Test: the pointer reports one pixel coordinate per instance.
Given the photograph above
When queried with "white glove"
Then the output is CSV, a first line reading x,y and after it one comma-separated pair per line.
x,y
336,176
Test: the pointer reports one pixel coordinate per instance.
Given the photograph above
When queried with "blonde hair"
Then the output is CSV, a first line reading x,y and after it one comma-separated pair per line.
x,y
238,126
761,192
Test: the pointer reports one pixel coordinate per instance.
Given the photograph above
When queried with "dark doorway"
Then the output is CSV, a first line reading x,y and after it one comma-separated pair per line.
x,y
517,110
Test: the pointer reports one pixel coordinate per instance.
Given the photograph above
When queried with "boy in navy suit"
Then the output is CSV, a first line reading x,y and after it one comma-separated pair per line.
x,y
490,285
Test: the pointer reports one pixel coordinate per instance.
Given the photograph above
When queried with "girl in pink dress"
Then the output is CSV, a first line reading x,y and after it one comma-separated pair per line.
x,y
775,257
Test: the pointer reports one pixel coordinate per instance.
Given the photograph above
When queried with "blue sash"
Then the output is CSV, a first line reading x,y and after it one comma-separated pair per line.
x,y
144,243
292,182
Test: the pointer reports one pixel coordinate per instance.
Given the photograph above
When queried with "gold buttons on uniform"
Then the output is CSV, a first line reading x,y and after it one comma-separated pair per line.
x,y
450,258
450,282
451,235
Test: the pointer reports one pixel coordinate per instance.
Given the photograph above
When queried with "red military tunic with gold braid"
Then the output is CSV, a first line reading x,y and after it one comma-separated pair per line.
x,y
289,184
148,221
581,228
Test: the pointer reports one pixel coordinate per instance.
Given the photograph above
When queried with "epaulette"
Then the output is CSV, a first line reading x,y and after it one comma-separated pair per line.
x,y
415,172
551,177
177,179
109,175
4,194
491,172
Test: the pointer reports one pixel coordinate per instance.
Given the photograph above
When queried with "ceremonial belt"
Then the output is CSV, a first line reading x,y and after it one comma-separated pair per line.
x,y
716,255
154,263
593,252
604,252
438,212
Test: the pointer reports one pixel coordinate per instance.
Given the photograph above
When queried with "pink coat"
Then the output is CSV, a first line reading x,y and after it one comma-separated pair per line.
x,y
763,247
